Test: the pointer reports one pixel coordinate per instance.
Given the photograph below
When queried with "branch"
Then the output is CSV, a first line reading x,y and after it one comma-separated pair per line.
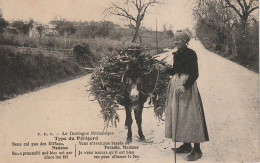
x,y
254,8
143,13
233,25
245,3
241,5
120,14
131,25
124,13
145,7
135,3
250,3
230,29
234,8
211,26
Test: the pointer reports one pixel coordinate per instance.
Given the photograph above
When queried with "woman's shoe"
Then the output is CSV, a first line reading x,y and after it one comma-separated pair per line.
x,y
194,155
183,149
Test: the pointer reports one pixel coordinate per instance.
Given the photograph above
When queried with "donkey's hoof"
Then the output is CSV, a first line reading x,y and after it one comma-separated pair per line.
x,y
128,140
142,138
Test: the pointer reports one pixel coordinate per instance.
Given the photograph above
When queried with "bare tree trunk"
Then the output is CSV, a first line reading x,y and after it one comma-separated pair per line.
x,y
135,35
137,31
234,45
226,47
140,7
140,37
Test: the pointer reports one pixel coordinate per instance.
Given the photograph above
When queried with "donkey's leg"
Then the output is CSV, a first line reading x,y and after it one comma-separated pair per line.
x,y
128,123
138,118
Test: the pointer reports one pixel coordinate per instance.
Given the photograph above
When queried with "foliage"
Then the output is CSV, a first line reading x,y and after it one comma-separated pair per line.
x,y
248,49
92,29
226,26
105,28
40,28
215,19
108,82
96,29
170,33
64,27
21,26
9,40
23,72
243,10
3,25
106,31
83,55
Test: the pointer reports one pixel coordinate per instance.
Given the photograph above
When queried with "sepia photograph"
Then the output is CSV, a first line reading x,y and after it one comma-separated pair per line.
x,y
125,81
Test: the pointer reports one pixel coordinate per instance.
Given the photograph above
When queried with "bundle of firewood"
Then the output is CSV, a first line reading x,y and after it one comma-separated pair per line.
x,y
108,81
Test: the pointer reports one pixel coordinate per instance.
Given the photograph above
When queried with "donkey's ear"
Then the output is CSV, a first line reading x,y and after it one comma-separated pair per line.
x,y
138,80
129,81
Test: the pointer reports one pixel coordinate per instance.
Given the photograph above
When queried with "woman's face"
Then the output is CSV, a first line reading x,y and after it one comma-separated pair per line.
x,y
178,42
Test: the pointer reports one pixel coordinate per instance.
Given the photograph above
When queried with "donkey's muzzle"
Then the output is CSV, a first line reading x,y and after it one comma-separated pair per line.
x,y
134,97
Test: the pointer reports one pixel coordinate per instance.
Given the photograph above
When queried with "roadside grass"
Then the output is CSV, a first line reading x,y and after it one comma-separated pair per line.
x,y
251,62
24,72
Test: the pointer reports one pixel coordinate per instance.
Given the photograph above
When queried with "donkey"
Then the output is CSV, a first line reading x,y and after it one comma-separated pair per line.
x,y
134,99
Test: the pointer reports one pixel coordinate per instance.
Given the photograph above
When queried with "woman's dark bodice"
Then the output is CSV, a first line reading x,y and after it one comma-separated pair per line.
x,y
185,61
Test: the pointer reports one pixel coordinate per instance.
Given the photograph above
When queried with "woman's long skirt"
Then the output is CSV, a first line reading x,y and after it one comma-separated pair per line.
x,y
184,115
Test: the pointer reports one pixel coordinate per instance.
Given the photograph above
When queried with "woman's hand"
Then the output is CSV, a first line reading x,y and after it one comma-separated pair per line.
x,y
180,89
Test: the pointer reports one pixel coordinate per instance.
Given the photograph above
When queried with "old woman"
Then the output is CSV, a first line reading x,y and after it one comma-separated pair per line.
x,y
184,115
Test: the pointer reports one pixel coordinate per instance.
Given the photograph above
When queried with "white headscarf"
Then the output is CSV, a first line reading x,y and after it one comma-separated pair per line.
x,y
183,35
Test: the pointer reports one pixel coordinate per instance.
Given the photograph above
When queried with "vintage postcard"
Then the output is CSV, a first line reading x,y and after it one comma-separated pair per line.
x,y
141,81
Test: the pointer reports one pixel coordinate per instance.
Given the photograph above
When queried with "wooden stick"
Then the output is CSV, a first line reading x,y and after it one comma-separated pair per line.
x,y
178,105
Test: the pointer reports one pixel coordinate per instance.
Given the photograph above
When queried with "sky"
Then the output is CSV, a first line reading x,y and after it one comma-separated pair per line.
x,y
177,13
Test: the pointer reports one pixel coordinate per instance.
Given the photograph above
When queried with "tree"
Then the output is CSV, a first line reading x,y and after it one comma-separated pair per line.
x,y
22,27
134,11
216,22
40,28
164,27
3,23
227,25
243,8
170,33
92,29
105,28
64,27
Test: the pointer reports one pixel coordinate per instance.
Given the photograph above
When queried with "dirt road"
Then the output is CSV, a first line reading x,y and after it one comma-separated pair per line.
x,y
229,93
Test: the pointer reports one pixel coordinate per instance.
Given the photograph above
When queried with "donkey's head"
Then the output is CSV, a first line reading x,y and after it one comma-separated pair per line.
x,y
134,88
133,75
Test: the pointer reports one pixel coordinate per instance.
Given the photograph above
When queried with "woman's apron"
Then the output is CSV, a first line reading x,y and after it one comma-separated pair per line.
x,y
186,111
